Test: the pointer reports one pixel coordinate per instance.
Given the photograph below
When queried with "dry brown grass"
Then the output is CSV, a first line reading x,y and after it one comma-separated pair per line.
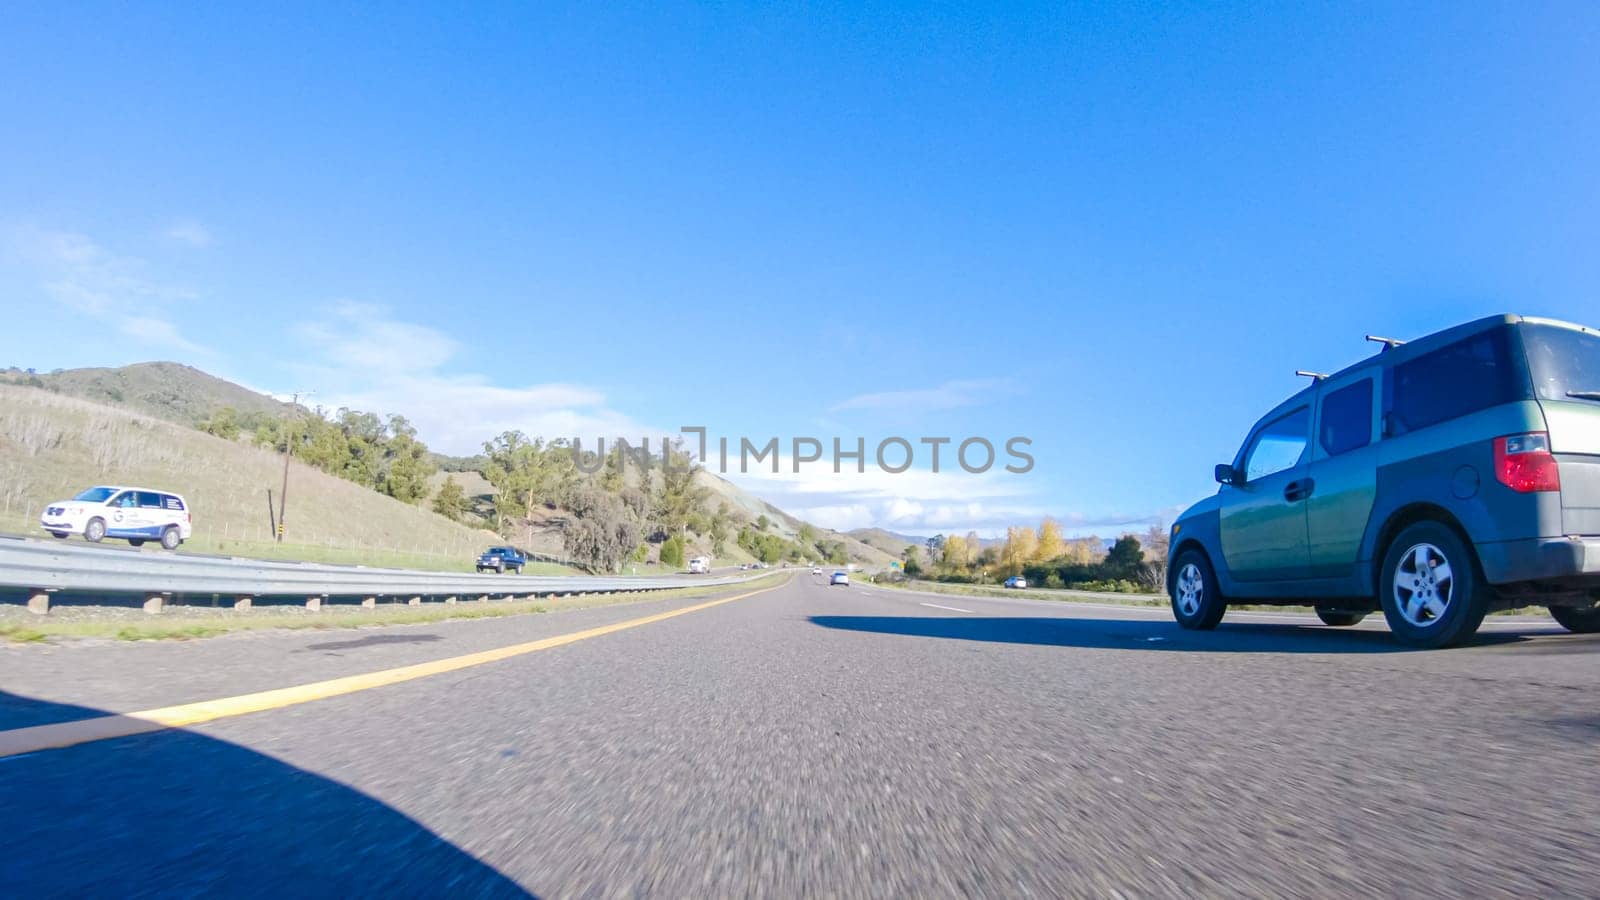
x,y
52,447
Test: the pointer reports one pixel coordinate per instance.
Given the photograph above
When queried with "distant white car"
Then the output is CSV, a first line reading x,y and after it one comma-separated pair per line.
x,y
840,578
700,565
816,570
135,515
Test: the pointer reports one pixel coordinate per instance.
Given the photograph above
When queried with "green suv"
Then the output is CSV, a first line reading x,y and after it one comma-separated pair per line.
x,y
1438,480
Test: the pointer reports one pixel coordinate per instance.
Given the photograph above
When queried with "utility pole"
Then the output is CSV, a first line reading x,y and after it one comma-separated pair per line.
x,y
288,451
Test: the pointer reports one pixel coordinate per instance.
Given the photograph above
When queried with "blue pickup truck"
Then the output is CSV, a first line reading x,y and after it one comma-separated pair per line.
x,y
500,559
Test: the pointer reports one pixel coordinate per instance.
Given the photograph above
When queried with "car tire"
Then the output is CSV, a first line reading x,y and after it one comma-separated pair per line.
x,y
95,531
59,535
1197,601
171,538
1576,620
500,569
518,570
1339,617
1424,608
136,542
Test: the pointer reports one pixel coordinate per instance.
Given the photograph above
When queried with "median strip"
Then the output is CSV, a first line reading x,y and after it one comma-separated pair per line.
x,y
82,731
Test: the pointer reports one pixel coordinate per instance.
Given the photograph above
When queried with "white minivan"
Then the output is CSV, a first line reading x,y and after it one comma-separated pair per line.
x,y
132,514
700,565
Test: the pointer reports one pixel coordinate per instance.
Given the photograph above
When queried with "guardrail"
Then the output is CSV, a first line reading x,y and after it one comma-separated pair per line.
x,y
41,569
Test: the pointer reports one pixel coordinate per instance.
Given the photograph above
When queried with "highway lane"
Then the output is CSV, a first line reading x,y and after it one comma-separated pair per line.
x,y
850,741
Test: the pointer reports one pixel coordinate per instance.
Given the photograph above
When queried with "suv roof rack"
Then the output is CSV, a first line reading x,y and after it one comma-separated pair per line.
x,y
1387,342
1314,376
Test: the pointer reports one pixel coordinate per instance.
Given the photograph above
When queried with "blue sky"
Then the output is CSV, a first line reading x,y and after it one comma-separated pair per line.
x,y
1116,231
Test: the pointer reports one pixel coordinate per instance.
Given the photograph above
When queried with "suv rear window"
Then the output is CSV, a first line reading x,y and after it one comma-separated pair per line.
x,y
1347,418
1562,361
1461,378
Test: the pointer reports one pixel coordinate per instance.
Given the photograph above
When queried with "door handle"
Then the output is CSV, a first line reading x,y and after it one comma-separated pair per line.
x,y
1296,491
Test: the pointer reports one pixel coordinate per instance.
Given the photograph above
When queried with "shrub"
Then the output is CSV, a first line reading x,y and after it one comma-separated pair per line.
x,y
672,552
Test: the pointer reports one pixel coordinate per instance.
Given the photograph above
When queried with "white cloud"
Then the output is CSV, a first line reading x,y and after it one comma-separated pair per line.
x,y
368,360
190,233
918,501
110,288
950,395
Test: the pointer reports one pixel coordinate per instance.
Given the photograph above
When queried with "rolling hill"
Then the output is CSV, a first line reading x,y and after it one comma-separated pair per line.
x,y
66,430
53,446
165,390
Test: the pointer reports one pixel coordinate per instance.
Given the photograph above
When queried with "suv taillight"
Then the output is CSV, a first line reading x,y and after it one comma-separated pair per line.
x,y
1524,463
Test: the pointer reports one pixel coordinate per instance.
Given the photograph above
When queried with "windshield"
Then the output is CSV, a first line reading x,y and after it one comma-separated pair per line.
x,y
96,494
1565,363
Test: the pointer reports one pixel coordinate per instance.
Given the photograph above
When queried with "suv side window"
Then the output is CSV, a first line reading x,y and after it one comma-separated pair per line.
x,y
1346,418
124,500
172,502
1278,446
149,500
1464,377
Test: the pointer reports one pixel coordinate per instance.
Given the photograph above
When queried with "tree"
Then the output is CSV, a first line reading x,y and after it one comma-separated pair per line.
x,y
224,423
955,555
1156,543
1050,546
1125,559
763,523
603,531
1021,542
527,473
451,501
406,465
672,552
678,494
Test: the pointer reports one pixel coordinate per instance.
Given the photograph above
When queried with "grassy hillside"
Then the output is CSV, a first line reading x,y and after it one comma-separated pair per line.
x,y
53,446
165,390
885,541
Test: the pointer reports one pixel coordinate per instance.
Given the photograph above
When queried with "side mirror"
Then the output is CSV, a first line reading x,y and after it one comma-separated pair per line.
x,y
1226,474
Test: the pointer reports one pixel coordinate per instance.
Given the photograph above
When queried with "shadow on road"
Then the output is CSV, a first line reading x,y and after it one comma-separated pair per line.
x,y
177,813
375,640
1124,634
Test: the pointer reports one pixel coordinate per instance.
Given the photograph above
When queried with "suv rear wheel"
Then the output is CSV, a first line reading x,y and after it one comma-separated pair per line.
x,y
1197,602
170,538
1576,619
1430,589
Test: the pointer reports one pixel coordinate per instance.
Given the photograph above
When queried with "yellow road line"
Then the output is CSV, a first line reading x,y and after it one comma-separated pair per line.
x,y
99,728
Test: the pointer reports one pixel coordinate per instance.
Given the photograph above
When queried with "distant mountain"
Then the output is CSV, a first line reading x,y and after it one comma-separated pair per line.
x,y
166,390
887,541
883,538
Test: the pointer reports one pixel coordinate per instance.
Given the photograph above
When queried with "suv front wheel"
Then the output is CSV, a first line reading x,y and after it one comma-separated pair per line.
x,y
1430,589
1197,603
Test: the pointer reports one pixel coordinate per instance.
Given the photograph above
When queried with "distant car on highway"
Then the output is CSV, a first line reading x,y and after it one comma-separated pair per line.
x,y
816,570
1016,582
1437,480
135,515
839,578
501,559
700,565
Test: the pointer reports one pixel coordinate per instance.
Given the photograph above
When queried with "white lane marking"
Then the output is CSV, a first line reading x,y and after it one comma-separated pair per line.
x,y
951,608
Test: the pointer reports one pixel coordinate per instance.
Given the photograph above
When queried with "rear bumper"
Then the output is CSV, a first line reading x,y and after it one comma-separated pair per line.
x,y
1542,559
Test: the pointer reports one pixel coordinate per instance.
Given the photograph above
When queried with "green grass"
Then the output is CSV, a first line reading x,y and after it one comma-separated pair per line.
x,y
176,625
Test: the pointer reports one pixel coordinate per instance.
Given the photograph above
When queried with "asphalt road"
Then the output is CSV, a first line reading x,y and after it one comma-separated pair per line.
x,y
824,741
